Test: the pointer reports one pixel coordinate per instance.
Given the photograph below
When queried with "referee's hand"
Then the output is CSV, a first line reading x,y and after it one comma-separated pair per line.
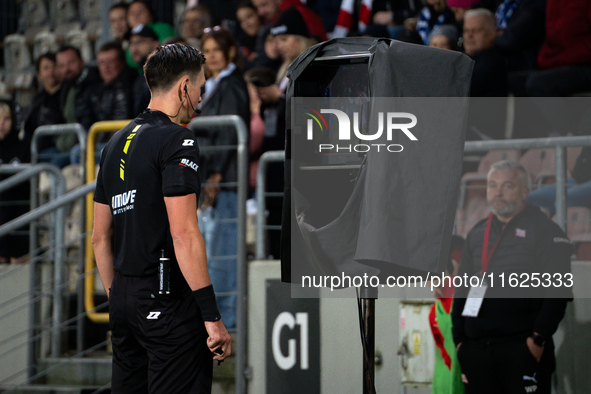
x,y
218,338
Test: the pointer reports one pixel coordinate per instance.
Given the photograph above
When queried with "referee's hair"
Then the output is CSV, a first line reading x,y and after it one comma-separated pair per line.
x,y
170,62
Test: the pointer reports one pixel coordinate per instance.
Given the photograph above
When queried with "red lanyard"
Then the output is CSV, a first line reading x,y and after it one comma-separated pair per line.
x,y
485,255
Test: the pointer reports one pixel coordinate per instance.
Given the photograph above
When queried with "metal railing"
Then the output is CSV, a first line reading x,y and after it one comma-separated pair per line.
x,y
560,143
52,131
89,263
242,189
261,195
57,239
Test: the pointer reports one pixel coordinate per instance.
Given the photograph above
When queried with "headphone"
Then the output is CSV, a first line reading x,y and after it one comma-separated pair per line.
x,y
197,111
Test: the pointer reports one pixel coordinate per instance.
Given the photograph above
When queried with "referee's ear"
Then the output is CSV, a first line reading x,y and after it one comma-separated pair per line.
x,y
181,87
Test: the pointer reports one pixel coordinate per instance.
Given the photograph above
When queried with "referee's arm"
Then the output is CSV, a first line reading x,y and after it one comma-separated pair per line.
x,y
101,242
189,249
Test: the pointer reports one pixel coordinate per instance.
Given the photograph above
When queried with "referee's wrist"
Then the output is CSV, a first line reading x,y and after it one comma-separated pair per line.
x,y
205,298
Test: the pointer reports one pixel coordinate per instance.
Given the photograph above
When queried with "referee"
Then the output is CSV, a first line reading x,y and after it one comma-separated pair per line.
x,y
166,326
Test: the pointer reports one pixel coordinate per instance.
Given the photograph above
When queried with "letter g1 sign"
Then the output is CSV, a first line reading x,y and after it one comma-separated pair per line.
x,y
292,341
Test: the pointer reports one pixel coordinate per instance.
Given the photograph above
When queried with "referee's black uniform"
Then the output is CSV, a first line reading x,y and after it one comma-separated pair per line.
x,y
159,340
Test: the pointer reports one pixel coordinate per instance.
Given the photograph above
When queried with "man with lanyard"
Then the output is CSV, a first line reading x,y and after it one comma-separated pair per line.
x,y
166,327
505,344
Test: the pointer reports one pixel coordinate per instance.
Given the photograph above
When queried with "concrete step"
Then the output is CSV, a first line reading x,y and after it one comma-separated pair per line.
x,y
53,389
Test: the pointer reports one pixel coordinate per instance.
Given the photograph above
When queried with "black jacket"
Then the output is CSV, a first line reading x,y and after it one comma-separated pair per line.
x,y
85,84
229,98
522,39
114,101
44,110
489,77
531,243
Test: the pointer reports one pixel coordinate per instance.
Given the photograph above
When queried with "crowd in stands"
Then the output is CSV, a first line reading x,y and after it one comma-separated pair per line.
x,y
520,47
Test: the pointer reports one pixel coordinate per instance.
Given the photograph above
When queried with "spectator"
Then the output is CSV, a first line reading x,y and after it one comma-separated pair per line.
x,y
444,37
225,94
459,8
505,344
14,202
45,107
565,57
293,38
377,31
489,77
194,20
140,13
257,77
520,32
118,21
436,12
394,12
270,57
410,36
250,37
111,98
270,10
78,84
578,187
142,42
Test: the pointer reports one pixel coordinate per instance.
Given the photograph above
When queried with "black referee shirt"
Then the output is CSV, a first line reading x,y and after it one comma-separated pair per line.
x,y
149,159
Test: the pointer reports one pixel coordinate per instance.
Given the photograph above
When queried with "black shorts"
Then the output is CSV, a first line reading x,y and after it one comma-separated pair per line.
x,y
159,342
506,367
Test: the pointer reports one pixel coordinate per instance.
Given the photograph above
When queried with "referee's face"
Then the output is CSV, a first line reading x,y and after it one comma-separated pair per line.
x,y
193,97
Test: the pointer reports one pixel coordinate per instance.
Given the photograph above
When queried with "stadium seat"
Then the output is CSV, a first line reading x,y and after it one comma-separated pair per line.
x,y
44,42
572,154
19,75
474,183
90,10
540,164
16,53
35,15
578,229
79,39
474,210
65,17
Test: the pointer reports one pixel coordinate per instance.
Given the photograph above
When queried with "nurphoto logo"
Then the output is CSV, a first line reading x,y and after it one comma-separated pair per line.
x,y
392,124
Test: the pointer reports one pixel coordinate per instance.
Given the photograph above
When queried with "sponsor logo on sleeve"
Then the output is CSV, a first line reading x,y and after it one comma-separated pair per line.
x,y
188,142
189,163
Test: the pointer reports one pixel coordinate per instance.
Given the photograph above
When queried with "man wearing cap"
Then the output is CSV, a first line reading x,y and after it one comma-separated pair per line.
x,y
142,42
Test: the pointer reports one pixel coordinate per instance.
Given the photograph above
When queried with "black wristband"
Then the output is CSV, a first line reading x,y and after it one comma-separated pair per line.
x,y
205,298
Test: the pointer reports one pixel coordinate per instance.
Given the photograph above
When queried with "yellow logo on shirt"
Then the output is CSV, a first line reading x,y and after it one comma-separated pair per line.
x,y
125,149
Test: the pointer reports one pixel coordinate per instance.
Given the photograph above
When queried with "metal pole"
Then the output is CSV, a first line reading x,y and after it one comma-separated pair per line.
x,y
241,269
368,311
475,146
369,356
561,187
36,213
52,130
267,157
105,25
57,240
11,169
